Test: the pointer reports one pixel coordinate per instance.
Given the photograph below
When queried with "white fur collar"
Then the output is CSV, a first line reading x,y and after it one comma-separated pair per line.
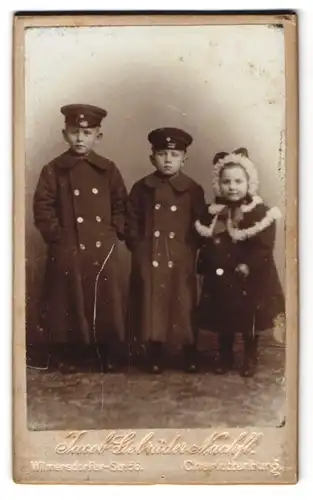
x,y
243,234
240,234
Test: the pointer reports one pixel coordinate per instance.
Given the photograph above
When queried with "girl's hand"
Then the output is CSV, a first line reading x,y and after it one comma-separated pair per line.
x,y
243,269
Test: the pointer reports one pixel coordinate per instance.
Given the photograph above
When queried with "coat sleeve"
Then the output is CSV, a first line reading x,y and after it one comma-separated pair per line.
x,y
263,246
259,250
204,244
199,211
199,204
45,206
133,216
118,202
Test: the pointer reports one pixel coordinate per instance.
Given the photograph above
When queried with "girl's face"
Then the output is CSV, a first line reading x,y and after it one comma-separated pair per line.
x,y
168,161
233,183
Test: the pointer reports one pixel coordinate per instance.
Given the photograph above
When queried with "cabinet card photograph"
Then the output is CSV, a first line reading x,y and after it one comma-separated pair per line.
x,y
155,254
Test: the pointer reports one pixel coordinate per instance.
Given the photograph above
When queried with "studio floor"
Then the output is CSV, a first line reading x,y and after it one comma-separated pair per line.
x,y
134,399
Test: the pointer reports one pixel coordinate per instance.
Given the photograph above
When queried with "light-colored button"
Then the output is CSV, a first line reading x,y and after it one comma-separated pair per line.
x,y
95,191
219,272
173,208
155,263
156,234
98,218
98,244
76,192
217,241
171,235
80,220
82,246
157,206
170,263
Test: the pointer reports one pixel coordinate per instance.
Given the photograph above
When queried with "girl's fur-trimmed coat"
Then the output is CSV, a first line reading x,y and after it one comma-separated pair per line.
x,y
230,300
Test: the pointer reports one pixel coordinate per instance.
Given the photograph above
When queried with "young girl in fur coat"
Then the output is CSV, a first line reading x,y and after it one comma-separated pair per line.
x,y
241,291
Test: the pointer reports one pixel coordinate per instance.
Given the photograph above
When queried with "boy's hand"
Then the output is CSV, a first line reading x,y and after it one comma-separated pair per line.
x,y
243,269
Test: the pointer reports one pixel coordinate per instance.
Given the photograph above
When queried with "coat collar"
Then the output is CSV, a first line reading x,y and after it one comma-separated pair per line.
x,y
180,182
246,206
68,160
237,234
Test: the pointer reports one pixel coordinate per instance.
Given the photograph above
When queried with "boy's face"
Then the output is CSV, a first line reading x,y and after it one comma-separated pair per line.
x,y
168,161
81,140
233,183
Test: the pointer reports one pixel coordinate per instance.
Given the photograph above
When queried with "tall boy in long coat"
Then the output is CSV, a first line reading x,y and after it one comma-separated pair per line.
x,y
79,208
162,209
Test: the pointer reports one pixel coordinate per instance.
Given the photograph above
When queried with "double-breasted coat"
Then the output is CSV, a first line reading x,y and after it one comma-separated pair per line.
x,y
161,236
231,300
79,209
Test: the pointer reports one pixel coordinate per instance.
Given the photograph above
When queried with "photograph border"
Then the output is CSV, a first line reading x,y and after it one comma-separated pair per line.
x,y
23,439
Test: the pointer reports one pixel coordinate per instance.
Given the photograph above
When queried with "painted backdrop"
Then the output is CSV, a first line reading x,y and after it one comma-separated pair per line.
x,y
225,85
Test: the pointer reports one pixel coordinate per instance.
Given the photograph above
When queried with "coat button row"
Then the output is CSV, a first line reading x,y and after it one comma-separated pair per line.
x,y
81,219
156,264
94,191
83,247
171,235
157,206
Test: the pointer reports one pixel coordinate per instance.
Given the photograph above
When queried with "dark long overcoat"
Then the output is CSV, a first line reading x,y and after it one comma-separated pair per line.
x,y
160,234
229,300
79,209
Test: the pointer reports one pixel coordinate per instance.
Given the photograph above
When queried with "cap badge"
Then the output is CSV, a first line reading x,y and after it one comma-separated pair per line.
x,y
82,116
83,123
168,139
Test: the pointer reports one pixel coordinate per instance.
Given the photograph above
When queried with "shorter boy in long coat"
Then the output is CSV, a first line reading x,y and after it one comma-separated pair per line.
x,y
79,209
241,289
161,211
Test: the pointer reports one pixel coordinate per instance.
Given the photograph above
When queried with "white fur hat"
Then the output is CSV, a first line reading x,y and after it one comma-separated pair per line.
x,y
239,157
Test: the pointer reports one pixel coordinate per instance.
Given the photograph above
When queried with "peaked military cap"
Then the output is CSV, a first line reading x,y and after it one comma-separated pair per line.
x,y
83,115
169,138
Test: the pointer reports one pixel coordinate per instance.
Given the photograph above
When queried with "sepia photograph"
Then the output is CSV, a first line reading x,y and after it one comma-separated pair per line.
x,y
154,229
